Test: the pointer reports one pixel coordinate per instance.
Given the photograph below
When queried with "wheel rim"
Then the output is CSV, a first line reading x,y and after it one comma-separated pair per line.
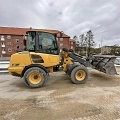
x,y
80,75
35,77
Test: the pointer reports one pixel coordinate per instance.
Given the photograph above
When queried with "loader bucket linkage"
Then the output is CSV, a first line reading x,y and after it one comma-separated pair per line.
x,y
104,63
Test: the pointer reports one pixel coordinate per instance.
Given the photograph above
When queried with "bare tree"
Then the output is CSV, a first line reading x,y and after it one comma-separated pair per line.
x,y
81,39
85,41
89,40
77,40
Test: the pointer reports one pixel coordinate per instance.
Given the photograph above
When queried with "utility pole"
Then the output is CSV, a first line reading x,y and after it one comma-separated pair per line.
x,y
101,44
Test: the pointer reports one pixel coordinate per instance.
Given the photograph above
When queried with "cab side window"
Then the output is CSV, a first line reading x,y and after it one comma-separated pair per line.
x,y
47,43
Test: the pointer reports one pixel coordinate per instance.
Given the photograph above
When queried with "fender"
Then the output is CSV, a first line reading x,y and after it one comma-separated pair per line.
x,y
34,65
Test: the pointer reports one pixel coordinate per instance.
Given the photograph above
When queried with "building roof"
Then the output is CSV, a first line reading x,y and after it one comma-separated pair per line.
x,y
22,31
12,31
71,40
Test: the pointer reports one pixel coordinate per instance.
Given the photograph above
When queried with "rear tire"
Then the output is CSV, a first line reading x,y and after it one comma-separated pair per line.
x,y
79,75
35,77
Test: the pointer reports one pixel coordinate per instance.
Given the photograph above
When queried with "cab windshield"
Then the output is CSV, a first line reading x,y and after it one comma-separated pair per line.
x,y
42,42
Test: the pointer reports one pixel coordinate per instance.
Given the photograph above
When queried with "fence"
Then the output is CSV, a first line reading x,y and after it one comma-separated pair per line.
x,y
4,66
4,63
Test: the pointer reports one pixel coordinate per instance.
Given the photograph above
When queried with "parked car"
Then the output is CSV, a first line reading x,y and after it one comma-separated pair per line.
x,y
117,62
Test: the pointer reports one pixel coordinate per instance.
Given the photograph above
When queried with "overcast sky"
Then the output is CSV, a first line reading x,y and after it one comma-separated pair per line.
x,y
74,17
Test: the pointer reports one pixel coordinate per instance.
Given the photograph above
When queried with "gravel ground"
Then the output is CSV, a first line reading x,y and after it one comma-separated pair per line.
x,y
60,99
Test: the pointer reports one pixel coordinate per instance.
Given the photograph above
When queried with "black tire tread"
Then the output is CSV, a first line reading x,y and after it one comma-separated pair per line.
x,y
74,80
27,72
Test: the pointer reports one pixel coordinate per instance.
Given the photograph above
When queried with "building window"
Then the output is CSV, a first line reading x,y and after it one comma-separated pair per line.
x,y
8,37
61,39
25,37
61,44
17,40
9,43
3,51
71,43
2,37
2,43
57,39
9,50
71,47
60,50
17,47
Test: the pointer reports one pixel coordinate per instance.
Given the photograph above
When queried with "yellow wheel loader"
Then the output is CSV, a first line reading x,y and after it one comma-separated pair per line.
x,y
42,55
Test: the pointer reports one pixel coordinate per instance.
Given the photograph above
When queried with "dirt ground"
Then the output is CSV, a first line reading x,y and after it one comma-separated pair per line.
x,y
60,99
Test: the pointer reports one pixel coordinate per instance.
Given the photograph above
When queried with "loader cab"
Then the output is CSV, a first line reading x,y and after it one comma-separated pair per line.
x,y
42,42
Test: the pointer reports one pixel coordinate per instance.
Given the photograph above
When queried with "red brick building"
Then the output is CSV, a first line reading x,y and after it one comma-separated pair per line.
x,y
11,40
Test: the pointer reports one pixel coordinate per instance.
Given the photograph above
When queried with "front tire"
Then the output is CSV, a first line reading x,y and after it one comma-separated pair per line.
x,y
79,75
35,77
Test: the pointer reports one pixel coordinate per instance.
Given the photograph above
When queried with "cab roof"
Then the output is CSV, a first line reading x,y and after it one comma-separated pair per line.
x,y
46,31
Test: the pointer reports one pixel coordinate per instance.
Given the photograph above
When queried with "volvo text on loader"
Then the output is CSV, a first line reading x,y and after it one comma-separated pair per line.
x,y
42,55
